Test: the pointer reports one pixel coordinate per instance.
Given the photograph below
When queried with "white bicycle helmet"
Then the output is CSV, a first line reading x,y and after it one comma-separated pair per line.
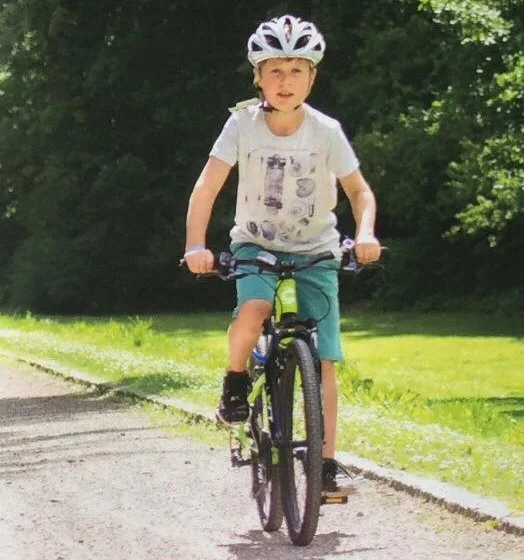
x,y
286,37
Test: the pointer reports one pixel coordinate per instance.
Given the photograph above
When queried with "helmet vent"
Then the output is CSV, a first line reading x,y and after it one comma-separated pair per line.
x,y
302,41
288,28
273,41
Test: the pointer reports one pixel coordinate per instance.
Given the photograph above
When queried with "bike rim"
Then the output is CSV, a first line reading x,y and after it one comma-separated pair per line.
x,y
301,453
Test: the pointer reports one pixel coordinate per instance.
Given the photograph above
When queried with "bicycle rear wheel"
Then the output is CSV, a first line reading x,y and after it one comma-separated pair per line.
x,y
301,451
264,470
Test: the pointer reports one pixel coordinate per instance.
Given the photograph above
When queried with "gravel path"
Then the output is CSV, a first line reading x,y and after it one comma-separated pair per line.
x,y
85,476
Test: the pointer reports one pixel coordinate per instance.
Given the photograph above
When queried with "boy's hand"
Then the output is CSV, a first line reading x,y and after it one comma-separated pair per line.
x,y
367,249
200,261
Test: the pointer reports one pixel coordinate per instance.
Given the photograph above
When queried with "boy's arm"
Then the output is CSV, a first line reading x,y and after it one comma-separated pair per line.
x,y
201,202
362,199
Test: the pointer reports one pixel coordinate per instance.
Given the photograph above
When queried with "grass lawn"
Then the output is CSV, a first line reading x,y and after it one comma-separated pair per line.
x,y
435,394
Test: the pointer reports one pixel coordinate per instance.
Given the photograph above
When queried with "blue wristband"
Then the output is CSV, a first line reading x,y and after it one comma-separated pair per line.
x,y
194,249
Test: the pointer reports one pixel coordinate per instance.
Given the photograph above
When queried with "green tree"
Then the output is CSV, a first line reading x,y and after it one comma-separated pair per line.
x,y
107,124
432,95
107,113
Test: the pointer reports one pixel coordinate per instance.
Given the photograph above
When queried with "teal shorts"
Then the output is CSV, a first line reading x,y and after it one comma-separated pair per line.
x,y
317,295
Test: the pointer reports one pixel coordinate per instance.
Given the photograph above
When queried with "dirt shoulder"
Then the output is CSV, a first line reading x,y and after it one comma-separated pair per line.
x,y
85,475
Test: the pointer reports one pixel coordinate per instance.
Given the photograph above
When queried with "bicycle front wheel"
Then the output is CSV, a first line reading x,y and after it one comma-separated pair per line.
x,y
301,450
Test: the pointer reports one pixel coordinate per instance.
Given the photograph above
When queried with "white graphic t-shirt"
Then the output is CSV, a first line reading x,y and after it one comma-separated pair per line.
x,y
287,187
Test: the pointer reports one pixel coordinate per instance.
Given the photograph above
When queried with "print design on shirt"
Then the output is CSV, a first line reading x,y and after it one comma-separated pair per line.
x,y
274,182
288,197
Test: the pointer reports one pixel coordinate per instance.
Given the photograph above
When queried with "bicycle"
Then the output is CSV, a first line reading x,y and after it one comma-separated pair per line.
x,y
285,431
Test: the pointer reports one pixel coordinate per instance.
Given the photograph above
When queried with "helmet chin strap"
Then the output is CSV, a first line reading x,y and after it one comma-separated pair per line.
x,y
267,108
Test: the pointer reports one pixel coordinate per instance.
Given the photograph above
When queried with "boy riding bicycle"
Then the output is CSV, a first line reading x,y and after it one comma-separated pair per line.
x,y
289,158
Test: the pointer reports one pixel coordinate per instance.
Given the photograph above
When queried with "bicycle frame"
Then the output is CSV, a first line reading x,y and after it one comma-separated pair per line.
x,y
286,424
282,326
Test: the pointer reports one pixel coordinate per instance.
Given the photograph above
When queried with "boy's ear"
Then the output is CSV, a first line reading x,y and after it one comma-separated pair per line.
x,y
256,77
312,77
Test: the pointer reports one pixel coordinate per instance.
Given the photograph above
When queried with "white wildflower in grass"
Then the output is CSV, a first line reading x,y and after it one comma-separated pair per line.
x,y
481,464
119,365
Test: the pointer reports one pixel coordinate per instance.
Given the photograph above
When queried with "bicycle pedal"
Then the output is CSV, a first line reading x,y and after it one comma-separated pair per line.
x,y
332,500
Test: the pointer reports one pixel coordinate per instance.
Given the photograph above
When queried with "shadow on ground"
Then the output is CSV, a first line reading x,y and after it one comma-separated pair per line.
x,y
57,429
55,407
277,545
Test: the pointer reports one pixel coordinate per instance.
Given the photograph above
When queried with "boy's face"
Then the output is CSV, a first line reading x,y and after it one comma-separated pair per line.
x,y
286,82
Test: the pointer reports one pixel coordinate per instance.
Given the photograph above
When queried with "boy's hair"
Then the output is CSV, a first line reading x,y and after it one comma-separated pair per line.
x,y
258,68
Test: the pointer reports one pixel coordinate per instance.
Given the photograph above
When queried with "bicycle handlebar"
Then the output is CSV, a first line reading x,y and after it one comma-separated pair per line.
x,y
227,266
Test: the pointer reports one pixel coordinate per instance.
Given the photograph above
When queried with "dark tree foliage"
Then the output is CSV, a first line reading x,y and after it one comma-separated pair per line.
x,y
108,111
111,108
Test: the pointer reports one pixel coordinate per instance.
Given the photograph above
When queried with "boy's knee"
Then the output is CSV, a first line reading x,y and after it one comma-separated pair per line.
x,y
254,311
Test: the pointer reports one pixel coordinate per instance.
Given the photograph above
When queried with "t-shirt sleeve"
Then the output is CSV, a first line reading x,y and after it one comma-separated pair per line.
x,y
342,159
226,145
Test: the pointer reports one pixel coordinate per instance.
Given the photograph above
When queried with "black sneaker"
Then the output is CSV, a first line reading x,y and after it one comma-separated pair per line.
x,y
337,483
233,407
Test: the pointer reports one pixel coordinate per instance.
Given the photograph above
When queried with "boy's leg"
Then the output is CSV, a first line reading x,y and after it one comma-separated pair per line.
x,y
244,330
243,334
336,481
254,302
330,408
318,299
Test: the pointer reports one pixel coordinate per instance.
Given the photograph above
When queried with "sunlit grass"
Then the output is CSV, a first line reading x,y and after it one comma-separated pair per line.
x,y
440,395
485,465
138,352
438,355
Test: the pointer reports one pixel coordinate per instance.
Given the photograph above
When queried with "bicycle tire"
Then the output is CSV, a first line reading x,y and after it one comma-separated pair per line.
x,y
265,473
301,450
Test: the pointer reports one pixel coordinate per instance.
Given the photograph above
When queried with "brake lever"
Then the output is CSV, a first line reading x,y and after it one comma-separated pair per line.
x,y
349,258
352,265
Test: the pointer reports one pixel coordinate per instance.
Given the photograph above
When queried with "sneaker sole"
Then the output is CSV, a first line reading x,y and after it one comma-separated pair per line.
x,y
340,493
219,418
